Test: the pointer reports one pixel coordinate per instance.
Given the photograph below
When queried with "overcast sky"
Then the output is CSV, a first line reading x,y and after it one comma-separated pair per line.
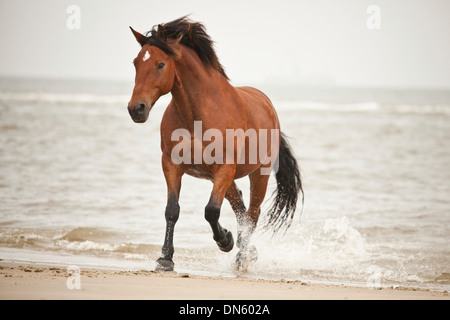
x,y
316,42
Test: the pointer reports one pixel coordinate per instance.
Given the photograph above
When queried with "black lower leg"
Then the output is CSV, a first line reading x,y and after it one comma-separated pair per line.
x,y
172,213
223,237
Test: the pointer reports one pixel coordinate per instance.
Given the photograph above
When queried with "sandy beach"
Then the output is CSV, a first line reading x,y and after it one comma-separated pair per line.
x,y
31,281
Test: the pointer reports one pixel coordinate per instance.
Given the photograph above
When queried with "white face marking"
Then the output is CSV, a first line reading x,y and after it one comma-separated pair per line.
x,y
146,56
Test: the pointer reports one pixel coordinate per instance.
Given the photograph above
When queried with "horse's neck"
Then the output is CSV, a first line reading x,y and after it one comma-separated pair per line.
x,y
192,86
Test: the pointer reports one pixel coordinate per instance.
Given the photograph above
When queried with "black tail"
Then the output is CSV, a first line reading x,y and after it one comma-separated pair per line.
x,y
289,184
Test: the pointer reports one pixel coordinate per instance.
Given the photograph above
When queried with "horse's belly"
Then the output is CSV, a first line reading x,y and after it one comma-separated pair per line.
x,y
198,172
244,170
203,173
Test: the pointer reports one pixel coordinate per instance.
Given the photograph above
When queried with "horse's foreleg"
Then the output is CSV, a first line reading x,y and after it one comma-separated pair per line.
x,y
247,223
223,178
172,174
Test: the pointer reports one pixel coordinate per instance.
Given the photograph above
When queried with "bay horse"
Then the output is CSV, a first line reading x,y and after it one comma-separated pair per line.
x,y
179,57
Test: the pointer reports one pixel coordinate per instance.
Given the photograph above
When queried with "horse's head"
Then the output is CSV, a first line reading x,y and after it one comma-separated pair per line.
x,y
155,73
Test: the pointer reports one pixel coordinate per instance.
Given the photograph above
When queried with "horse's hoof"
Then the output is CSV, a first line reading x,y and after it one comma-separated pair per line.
x,y
227,244
244,258
253,253
164,265
241,263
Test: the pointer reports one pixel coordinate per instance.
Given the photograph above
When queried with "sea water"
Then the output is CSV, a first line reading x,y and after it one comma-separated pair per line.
x,y
82,184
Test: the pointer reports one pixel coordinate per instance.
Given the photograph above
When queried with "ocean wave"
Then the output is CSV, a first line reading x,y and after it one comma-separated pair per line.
x,y
331,250
335,249
368,107
86,245
63,97
77,240
295,105
88,234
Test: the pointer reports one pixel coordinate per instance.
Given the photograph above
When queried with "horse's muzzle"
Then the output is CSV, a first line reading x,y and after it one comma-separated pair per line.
x,y
139,112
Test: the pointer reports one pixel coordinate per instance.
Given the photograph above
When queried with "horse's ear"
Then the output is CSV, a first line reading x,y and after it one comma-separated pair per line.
x,y
139,37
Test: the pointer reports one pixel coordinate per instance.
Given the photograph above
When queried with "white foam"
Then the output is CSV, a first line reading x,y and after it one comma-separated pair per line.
x,y
369,106
62,97
86,245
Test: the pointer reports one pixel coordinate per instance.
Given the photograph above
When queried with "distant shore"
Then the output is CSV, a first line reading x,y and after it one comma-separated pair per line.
x,y
32,281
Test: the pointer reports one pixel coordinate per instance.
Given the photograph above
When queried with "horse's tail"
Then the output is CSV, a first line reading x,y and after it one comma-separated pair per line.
x,y
289,184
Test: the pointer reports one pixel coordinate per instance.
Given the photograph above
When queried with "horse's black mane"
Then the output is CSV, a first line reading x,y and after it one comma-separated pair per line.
x,y
192,34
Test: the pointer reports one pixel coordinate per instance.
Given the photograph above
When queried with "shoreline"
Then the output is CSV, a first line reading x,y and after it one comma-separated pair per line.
x,y
28,281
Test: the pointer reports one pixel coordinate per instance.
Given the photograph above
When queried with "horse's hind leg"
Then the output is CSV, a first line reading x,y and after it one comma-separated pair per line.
x,y
234,197
222,181
247,223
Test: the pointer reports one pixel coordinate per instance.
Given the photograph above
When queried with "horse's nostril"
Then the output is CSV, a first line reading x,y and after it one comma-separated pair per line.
x,y
140,108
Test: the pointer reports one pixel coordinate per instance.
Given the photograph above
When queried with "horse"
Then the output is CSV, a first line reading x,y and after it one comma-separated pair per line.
x,y
179,57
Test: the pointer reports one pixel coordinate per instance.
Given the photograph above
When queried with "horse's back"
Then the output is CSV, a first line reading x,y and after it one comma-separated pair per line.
x,y
259,106
254,92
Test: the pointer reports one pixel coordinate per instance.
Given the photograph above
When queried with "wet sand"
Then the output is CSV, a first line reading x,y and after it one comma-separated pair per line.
x,y
32,281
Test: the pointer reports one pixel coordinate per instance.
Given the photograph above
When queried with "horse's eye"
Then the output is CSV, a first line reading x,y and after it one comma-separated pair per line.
x,y
161,65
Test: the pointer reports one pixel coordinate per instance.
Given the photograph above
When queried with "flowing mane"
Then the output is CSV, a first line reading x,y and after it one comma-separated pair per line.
x,y
192,34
